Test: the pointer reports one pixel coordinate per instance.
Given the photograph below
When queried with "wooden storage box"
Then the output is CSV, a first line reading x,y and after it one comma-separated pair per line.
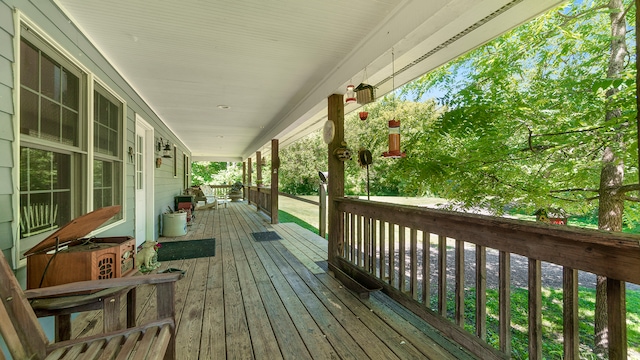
x,y
66,256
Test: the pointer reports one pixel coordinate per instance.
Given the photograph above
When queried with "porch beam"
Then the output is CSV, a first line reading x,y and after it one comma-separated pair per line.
x,y
258,168
244,180
335,113
275,165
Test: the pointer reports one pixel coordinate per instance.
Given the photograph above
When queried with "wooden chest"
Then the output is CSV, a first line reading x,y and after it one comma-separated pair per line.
x,y
66,256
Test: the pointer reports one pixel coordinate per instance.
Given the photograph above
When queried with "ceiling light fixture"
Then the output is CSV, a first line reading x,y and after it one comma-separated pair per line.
x,y
224,107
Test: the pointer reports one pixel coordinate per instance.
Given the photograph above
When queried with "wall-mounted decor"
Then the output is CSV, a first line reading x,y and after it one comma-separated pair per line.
x,y
163,147
342,153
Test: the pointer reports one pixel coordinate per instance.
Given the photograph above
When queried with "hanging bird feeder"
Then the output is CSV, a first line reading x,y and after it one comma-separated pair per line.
x,y
394,141
351,95
365,93
365,159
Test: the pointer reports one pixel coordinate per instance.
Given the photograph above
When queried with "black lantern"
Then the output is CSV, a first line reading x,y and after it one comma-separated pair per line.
x,y
166,152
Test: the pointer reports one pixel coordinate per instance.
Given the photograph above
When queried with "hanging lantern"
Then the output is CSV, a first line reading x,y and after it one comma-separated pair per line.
x,y
167,150
351,94
363,115
394,141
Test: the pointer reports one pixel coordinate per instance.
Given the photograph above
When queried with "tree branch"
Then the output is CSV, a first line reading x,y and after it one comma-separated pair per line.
x,y
569,132
575,190
632,198
630,187
572,200
569,18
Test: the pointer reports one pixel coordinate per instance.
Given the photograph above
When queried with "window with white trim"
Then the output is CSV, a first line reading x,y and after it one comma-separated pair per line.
x,y
51,138
107,150
54,159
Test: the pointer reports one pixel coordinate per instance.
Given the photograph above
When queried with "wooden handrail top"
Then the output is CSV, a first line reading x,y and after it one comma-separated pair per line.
x,y
615,255
394,212
80,286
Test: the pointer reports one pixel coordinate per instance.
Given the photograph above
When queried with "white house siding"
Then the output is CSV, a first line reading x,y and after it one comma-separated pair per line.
x,y
46,15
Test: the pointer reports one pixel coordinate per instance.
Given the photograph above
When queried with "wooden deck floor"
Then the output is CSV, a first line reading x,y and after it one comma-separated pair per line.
x,y
275,300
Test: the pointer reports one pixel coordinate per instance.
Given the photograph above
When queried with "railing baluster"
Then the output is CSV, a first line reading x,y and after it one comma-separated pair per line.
x,y
481,292
383,261
359,240
504,281
366,223
426,269
402,261
373,245
347,241
413,281
352,237
442,275
617,310
392,253
535,309
459,302
570,326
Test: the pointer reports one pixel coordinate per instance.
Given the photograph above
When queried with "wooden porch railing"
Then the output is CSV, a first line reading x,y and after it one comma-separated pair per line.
x,y
386,242
219,191
261,198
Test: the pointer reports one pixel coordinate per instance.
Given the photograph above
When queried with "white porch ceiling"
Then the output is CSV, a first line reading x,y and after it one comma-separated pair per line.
x,y
275,62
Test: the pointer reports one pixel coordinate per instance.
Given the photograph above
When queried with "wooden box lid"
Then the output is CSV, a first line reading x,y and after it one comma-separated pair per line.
x,y
76,229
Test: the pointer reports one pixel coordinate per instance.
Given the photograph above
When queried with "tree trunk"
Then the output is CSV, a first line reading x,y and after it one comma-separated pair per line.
x,y
611,207
611,203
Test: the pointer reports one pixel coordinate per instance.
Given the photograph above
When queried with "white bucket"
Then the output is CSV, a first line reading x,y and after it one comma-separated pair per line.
x,y
174,224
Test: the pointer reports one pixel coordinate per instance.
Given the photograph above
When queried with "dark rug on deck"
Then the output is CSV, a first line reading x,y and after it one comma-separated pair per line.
x,y
266,236
189,249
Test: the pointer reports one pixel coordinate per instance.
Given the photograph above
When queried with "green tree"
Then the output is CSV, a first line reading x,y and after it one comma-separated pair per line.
x,y
203,171
541,117
387,176
300,163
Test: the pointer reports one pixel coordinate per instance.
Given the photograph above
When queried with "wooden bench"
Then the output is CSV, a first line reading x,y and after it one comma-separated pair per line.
x,y
25,338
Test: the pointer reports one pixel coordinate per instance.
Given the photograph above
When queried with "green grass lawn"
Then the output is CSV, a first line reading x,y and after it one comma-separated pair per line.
x,y
285,217
551,320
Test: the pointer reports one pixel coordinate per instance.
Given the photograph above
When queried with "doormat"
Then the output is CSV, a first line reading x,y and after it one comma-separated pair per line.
x,y
266,236
177,250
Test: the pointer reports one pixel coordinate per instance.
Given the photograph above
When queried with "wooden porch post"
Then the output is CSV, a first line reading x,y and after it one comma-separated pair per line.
x,y
336,178
249,170
259,168
275,165
244,180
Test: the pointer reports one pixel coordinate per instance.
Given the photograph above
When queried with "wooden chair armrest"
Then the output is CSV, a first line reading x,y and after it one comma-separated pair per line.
x,y
80,286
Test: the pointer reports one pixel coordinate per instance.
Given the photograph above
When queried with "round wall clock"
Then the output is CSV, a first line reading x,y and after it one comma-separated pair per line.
x,y
328,131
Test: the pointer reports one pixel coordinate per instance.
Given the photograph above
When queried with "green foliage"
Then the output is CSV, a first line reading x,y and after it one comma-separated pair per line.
x,y
202,171
300,163
521,122
387,176
215,173
525,116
